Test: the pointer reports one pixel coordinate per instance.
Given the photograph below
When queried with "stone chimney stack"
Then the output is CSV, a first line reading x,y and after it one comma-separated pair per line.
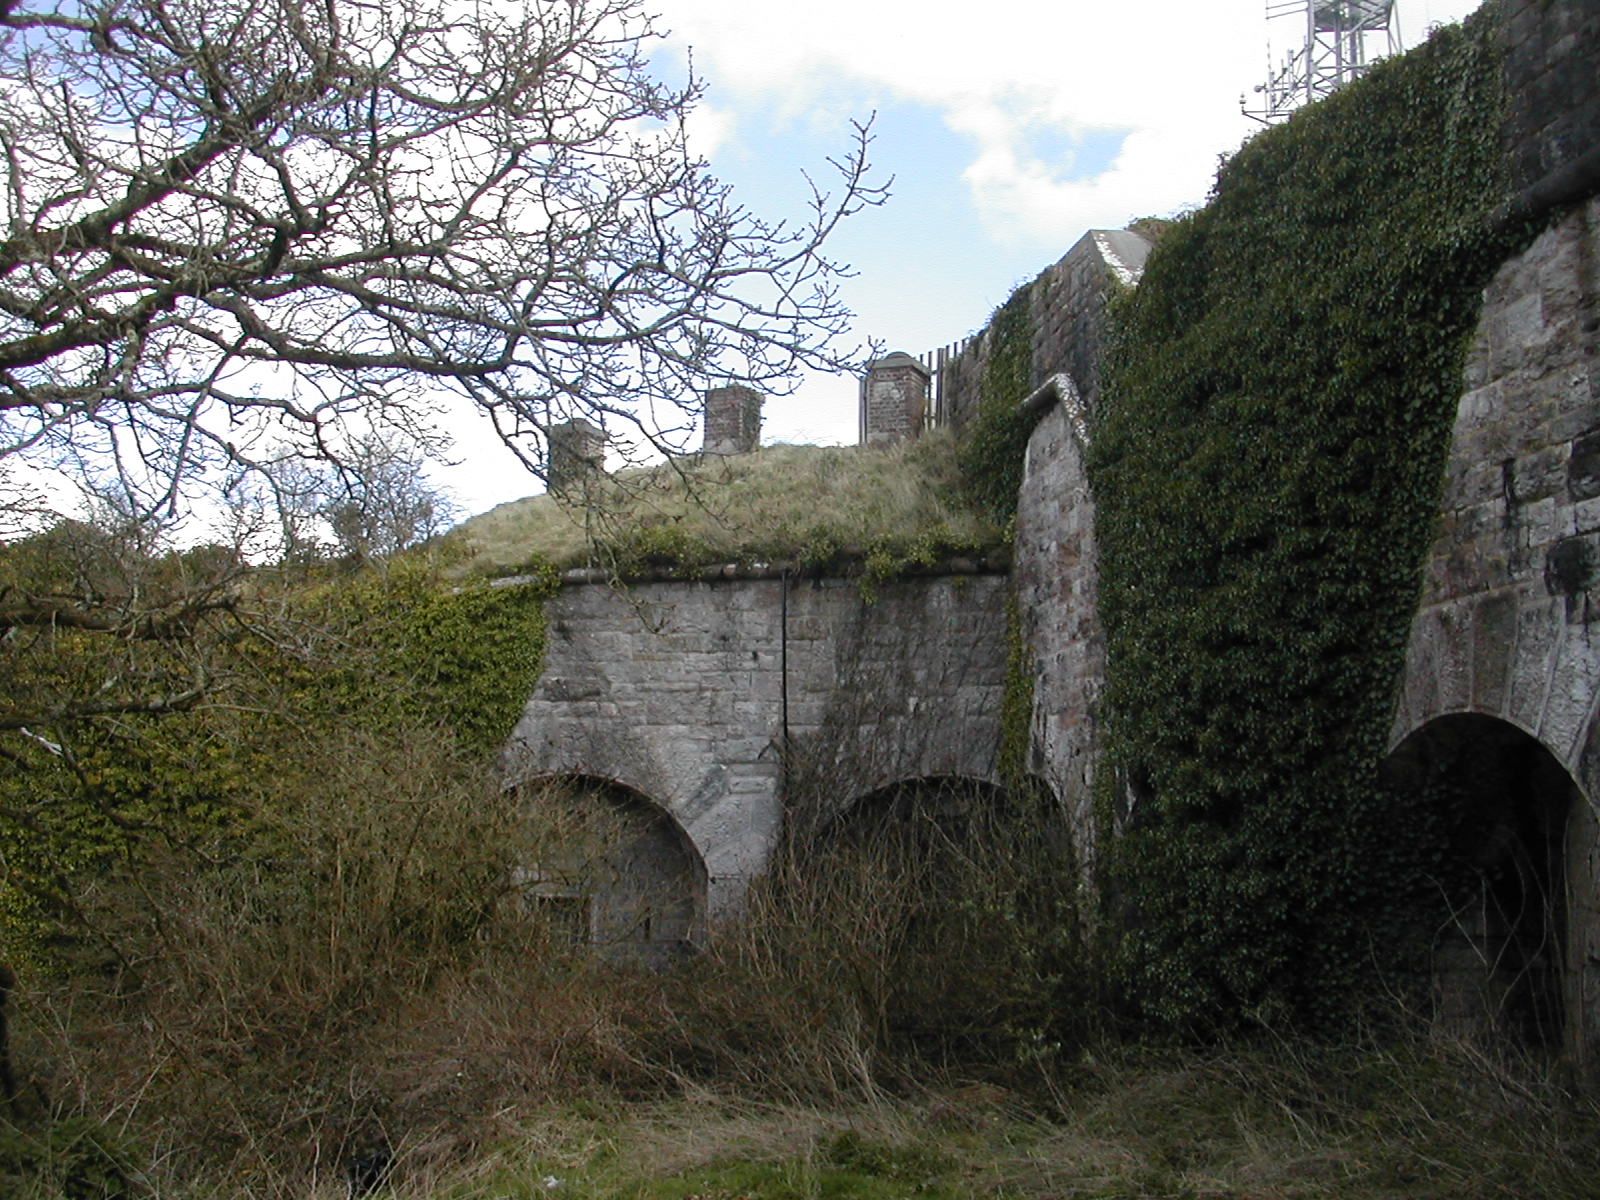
x,y
577,454
733,420
894,400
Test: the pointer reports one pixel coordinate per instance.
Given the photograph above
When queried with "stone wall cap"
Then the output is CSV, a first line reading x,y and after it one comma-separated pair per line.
x,y
1124,251
577,424
996,562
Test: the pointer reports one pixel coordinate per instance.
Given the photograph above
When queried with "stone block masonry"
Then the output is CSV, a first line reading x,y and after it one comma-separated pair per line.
x,y
1552,73
680,692
1057,587
1067,305
1510,604
577,453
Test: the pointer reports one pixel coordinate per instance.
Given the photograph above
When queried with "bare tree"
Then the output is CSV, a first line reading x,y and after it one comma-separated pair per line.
x,y
379,501
238,230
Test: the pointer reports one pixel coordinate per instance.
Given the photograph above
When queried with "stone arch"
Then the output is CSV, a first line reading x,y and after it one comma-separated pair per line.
x,y
1516,653
623,876
937,796
945,908
1504,956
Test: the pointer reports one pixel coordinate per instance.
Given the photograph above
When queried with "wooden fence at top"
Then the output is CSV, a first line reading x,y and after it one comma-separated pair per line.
x,y
937,414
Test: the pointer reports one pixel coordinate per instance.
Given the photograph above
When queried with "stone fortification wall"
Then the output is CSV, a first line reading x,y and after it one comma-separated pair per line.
x,y
681,691
1552,132
1057,584
1510,606
1067,304
1504,627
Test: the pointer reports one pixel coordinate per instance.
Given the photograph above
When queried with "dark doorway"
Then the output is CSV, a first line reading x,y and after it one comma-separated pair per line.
x,y
1499,935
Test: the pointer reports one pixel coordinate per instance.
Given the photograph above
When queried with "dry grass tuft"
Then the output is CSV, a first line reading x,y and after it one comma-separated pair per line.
x,y
1411,1117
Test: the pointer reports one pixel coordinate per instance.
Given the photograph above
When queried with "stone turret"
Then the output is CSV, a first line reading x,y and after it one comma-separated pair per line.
x,y
577,454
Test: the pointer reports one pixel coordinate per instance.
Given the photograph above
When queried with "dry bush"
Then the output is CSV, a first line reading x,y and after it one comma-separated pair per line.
x,y
360,969
930,926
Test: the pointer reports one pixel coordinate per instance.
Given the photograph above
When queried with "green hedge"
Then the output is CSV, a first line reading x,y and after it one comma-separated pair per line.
x,y
360,661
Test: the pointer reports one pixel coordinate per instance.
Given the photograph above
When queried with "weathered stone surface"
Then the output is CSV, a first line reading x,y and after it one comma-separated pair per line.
x,y
679,692
1067,307
1553,92
1583,467
732,420
1512,584
1057,588
577,452
1494,636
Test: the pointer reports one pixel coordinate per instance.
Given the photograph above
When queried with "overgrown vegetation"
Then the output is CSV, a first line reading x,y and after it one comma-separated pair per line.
x,y
280,939
213,903
925,924
1266,460
996,439
811,505
1357,1121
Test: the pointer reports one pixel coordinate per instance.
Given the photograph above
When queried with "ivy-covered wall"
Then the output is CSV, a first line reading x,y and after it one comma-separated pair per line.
x,y
1266,461
305,691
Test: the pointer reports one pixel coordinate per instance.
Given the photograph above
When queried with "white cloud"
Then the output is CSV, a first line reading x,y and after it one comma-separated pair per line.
x,y
710,128
1168,72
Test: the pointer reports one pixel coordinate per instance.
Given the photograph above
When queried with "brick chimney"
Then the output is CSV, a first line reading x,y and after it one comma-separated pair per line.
x,y
894,400
733,420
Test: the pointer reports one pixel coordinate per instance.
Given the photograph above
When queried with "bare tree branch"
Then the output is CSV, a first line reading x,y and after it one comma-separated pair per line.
x,y
242,229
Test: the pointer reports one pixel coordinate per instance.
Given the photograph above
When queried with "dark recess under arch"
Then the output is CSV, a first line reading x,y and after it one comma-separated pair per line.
x,y
624,878
1499,934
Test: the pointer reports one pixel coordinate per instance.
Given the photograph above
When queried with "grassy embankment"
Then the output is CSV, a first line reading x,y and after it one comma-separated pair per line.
x,y
810,504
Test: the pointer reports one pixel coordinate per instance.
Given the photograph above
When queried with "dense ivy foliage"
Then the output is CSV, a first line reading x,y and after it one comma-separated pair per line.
x,y
464,658
995,441
300,678
1266,458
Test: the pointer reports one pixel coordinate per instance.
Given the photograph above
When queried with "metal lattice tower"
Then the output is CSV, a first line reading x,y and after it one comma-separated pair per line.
x,y
1342,39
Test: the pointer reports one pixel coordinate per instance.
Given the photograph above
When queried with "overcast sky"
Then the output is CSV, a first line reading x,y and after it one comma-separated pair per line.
x,y
1010,127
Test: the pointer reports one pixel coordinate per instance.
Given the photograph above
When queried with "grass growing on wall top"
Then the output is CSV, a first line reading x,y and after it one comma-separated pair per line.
x,y
1266,461
810,504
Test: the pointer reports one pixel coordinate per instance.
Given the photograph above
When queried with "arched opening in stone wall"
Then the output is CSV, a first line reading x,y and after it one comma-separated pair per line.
x,y
948,904
620,875
1499,932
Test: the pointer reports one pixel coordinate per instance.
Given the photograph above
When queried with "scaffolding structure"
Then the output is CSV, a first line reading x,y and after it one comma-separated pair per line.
x,y
1342,39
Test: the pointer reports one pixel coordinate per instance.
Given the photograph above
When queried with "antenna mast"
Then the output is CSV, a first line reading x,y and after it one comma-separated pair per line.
x,y
1342,39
